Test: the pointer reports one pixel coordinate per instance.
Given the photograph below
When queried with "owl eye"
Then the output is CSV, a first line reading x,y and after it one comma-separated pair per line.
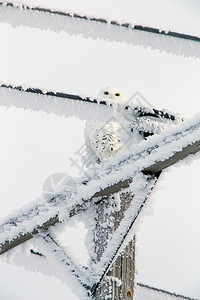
x,y
117,94
106,93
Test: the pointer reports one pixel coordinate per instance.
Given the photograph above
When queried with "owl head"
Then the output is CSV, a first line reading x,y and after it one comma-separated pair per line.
x,y
112,93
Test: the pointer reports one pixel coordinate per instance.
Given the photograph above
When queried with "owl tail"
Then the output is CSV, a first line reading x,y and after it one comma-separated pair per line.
x,y
116,147
111,150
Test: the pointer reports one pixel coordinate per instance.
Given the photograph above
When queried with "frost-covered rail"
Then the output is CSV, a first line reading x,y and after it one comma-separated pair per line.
x,y
53,94
161,291
56,253
174,144
134,111
142,187
100,20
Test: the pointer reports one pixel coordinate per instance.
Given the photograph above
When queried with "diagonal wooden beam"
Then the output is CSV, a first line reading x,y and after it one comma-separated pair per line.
x,y
53,251
21,238
153,155
179,155
113,261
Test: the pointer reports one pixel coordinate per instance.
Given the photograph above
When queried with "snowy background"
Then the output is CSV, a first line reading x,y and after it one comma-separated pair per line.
x,y
35,145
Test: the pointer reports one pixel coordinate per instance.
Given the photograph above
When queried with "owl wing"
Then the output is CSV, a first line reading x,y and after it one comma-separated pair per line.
x,y
153,122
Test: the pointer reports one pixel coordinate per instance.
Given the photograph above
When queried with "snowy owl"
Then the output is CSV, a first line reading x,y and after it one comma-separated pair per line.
x,y
103,138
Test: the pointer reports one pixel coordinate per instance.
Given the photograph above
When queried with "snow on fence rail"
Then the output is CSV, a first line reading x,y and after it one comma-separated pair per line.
x,y
101,28
175,144
141,187
101,20
45,106
144,290
57,254
56,94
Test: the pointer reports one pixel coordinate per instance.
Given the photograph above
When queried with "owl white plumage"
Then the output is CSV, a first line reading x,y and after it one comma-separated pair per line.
x,y
103,138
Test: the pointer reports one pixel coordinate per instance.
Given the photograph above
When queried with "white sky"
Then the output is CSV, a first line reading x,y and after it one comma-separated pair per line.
x,y
36,145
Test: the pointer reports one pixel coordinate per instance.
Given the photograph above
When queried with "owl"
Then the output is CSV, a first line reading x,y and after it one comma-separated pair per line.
x,y
103,138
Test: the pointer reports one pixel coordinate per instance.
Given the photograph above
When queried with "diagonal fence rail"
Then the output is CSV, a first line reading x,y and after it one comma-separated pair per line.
x,y
163,151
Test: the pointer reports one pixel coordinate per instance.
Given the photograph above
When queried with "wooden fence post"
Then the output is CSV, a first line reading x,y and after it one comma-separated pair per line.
x,y
119,281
